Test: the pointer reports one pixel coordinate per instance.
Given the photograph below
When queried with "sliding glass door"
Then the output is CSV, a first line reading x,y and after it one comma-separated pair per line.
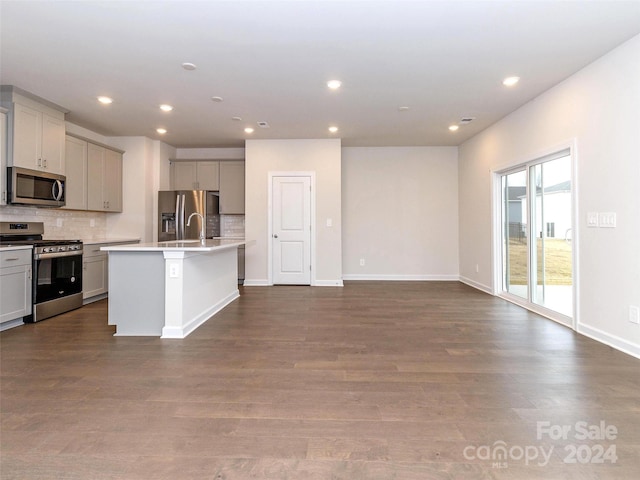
x,y
537,233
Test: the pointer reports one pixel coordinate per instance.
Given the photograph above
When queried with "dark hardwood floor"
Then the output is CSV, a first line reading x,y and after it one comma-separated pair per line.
x,y
415,380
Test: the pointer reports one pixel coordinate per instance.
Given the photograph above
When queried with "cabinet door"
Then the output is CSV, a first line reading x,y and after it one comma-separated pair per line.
x,y
3,158
185,176
15,294
94,277
232,187
27,128
95,177
112,188
53,143
76,173
208,175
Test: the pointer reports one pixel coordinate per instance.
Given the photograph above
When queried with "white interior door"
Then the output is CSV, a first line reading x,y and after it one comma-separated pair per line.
x,y
291,230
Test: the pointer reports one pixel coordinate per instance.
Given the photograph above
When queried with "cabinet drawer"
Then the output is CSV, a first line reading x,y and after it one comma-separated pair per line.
x,y
14,258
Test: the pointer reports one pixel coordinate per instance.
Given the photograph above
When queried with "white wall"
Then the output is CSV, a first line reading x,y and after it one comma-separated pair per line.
x,y
319,156
400,213
145,170
599,109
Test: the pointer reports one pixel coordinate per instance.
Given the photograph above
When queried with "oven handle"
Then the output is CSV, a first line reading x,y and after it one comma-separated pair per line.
x,y
43,256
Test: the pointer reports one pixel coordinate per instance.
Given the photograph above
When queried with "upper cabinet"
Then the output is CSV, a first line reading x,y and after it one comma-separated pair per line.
x,y
94,176
76,173
104,179
192,175
36,132
3,156
232,187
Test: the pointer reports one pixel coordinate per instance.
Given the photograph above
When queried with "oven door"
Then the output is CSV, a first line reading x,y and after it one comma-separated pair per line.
x,y
56,275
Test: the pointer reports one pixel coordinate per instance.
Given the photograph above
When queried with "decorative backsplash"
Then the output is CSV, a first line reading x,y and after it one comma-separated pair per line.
x,y
232,225
60,224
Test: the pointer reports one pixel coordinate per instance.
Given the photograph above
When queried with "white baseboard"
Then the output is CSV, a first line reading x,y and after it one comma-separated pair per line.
x,y
611,340
191,325
256,283
11,324
329,283
477,285
401,278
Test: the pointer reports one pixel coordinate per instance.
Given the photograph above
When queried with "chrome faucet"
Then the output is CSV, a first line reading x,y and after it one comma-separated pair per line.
x,y
202,235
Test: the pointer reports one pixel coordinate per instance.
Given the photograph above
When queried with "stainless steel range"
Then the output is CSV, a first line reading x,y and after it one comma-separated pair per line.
x,y
57,268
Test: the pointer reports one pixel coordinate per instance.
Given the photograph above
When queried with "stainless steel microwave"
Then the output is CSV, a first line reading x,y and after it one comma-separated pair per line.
x,y
33,187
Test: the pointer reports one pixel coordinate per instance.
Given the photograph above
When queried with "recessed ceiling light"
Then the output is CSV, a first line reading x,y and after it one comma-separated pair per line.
x,y
166,108
333,129
189,66
161,131
216,99
236,119
453,128
510,81
248,130
403,109
334,84
105,100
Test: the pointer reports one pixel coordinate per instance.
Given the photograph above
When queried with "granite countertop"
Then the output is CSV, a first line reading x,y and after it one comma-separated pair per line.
x,y
208,245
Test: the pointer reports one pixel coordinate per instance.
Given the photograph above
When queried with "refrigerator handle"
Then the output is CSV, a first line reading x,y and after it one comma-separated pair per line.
x,y
182,219
177,217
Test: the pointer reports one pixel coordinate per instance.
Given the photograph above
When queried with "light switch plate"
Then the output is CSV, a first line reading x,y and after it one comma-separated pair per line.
x,y
607,220
329,222
592,219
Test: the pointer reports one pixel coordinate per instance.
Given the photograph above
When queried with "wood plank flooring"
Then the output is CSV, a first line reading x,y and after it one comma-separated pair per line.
x,y
376,380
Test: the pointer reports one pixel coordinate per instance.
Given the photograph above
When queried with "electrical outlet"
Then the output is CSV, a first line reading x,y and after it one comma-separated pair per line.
x,y
477,268
362,262
634,314
329,222
92,222
174,270
58,222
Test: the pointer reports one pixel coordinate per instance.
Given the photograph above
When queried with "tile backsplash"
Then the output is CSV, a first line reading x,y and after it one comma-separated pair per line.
x,y
60,224
232,225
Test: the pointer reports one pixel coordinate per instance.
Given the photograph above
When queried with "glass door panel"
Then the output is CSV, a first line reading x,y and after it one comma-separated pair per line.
x,y
551,256
515,241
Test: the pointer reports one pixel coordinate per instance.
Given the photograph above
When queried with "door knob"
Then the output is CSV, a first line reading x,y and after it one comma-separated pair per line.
x,y
275,235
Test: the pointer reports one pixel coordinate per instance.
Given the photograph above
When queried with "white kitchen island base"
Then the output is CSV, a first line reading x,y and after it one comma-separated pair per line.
x,y
169,289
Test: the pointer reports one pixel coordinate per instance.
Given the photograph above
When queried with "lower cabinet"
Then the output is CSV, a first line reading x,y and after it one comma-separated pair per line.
x,y
15,286
95,271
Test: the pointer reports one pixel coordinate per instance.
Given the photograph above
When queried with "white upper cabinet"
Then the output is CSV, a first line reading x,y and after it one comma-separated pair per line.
x,y
104,179
76,173
200,175
36,133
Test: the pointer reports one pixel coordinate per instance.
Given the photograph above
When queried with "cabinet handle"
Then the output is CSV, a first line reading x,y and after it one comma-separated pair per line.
x,y
11,259
29,273
44,162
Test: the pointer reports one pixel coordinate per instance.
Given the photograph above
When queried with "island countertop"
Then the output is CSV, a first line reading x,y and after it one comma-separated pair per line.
x,y
208,245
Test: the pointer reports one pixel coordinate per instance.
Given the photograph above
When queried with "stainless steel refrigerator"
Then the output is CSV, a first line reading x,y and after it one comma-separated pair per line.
x,y
175,207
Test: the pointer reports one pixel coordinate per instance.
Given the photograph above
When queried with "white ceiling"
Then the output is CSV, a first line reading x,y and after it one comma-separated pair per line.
x,y
270,61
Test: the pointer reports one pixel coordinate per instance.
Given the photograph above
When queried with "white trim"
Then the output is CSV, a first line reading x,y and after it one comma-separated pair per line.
x,y
271,175
256,283
402,278
16,322
537,309
613,341
329,283
202,317
477,285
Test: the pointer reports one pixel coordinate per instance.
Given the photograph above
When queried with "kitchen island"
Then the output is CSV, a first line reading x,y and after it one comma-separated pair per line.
x,y
169,289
